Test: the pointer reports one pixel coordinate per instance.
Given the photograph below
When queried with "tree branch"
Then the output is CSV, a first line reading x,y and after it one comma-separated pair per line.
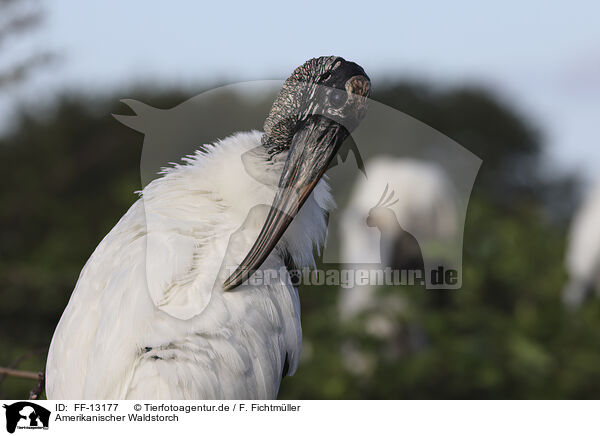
x,y
36,393
19,373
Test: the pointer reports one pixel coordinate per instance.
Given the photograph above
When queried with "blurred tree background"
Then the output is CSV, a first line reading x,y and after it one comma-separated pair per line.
x,y
70,171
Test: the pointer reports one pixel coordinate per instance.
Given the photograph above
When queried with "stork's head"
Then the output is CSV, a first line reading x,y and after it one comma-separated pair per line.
x,y
316,109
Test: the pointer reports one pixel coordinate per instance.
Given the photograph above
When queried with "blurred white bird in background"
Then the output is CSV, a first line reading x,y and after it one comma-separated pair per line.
x,y
155,313
583,252
421,202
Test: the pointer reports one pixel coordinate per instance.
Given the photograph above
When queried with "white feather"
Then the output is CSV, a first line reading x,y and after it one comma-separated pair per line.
x,y
583,251
154,282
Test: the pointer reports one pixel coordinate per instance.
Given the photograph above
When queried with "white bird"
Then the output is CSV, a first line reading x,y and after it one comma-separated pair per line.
x,y
583,252
154,314
420,202
424,204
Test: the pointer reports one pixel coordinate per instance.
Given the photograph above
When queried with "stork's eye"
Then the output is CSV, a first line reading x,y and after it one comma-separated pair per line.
x,y
337,99
325,76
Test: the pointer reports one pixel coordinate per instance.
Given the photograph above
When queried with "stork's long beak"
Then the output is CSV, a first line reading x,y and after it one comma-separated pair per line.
x,y
311,151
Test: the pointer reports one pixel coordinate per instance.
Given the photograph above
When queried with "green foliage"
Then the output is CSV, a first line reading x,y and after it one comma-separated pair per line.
x,y
503,335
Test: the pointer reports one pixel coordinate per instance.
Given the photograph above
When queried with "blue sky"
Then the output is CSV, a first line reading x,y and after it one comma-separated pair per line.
x,y
541,57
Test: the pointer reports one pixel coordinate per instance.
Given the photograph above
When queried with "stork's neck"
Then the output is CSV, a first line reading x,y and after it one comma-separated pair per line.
x,y
277,139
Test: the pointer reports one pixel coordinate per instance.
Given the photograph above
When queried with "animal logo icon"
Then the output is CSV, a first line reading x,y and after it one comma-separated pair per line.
x,y
399,249
26,415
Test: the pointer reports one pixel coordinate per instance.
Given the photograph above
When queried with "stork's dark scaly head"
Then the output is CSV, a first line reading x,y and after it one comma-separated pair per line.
x,y
320,86
315,111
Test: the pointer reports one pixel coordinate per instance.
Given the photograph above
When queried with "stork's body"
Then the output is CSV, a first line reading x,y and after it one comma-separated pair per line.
x,y
155,315
583,252
119,338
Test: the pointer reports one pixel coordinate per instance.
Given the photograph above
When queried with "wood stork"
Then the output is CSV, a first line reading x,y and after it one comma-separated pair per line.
x,y
207,338
423,202
583,252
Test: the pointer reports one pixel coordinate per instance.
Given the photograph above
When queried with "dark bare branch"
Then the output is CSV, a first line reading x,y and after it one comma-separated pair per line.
x,y
22,358
19,24
18,17
36,393
19,373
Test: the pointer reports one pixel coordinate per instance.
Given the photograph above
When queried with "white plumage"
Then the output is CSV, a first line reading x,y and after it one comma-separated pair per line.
x,y
158,311
147,319
583,251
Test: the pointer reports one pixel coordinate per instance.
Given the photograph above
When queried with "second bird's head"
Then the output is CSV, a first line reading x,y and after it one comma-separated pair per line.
x,y
315,111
